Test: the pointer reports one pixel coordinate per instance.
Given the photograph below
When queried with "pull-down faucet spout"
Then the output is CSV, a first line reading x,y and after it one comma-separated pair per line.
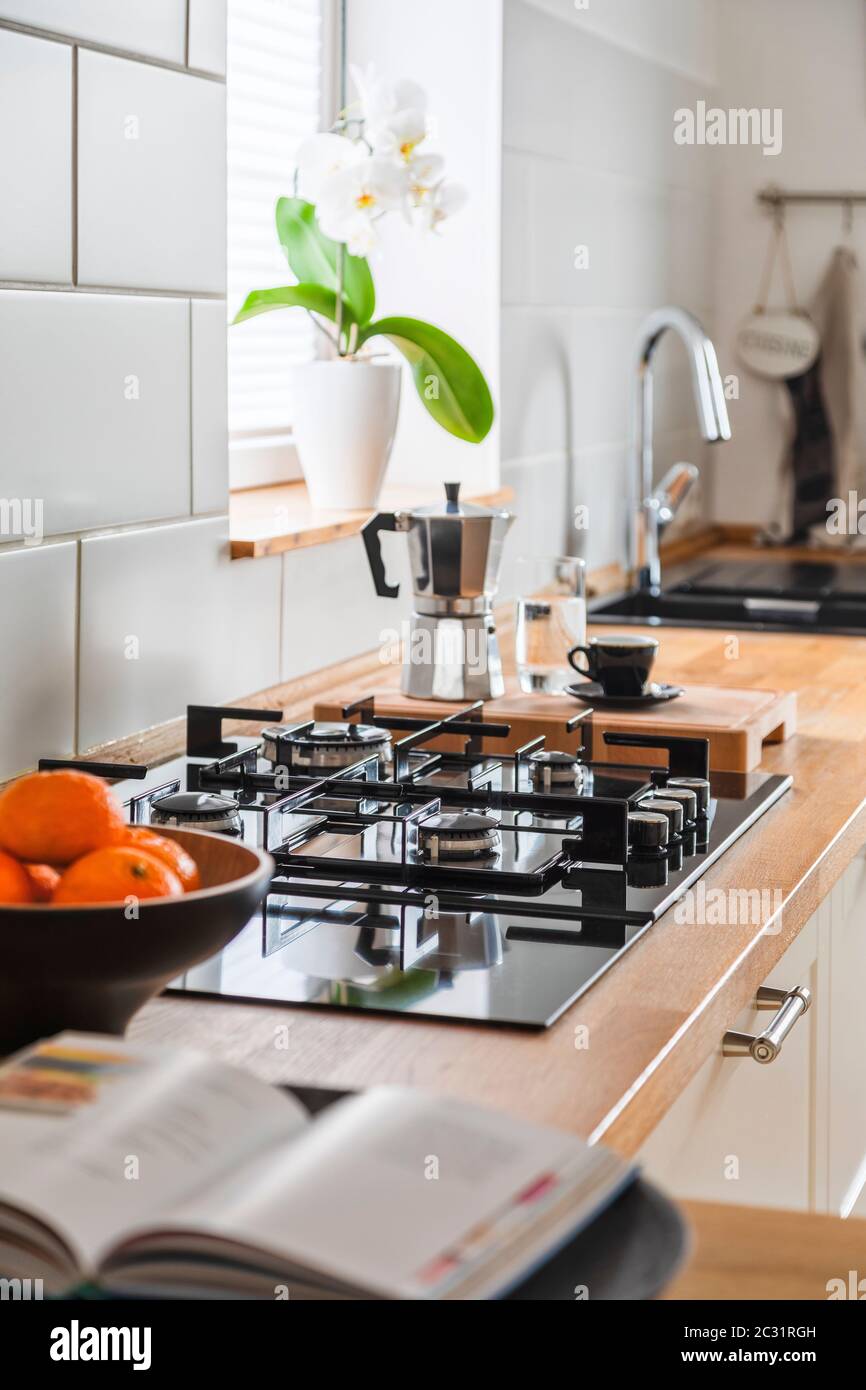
x,y
652,511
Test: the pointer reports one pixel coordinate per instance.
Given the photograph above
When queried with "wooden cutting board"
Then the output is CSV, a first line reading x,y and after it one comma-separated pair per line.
x,y
737,722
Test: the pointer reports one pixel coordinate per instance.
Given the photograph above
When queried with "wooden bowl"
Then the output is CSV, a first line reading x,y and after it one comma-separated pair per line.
x,y
92,968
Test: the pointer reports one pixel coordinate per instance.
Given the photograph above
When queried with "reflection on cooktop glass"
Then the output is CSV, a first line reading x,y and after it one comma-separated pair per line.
x,y
429,961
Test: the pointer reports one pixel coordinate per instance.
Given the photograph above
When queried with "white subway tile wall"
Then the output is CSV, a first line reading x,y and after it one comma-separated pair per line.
x,y
153,28
94,406
37,639
112,380
330,607
35,158
165,615
151,176
207,36
210,459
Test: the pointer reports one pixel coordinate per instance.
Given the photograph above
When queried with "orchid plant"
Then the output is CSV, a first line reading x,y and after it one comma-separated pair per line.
x,y
374,161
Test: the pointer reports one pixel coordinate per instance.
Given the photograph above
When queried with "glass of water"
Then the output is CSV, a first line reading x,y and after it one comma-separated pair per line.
x,y
551,619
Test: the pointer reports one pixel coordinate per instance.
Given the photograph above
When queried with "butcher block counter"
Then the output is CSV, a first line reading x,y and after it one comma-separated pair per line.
x,y
653,1020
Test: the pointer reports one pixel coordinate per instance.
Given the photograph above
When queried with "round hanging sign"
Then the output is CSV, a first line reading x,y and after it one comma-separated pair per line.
x,y
777,343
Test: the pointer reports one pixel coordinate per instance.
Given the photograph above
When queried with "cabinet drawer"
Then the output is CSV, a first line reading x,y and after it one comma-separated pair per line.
x,y
844,1032
742,1132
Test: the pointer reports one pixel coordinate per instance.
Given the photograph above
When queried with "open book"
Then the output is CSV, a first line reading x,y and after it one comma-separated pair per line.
x,y
158,1172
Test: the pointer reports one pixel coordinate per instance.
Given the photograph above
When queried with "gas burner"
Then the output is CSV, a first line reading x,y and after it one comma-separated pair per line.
x,y
553,772
198,811
459,835
329,745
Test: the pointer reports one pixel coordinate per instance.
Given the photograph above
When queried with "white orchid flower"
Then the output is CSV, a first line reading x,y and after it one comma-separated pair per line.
x,y
319,158
378,99
394,115
352,199
400,134
375,96
425,172
440,203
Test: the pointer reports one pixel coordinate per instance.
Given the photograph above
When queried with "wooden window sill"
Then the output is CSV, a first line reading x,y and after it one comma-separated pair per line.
x,y
270,520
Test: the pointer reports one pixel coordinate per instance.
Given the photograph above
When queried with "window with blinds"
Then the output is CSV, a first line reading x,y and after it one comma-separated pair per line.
x,y
276,80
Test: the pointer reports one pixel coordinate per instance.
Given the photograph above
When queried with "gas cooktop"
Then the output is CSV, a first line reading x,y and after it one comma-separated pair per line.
x,y
464,885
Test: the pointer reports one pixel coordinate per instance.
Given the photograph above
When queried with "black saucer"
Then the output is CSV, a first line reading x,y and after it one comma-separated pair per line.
x,y
590,693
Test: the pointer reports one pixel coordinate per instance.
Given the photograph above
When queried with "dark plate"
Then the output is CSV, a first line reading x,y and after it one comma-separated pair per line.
x,y
592,694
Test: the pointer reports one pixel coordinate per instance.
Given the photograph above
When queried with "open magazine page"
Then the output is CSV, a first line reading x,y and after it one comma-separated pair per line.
x,y
402,1195
97,1135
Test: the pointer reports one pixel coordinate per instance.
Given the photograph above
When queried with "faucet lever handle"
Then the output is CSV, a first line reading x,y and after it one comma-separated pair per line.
x,y
673,490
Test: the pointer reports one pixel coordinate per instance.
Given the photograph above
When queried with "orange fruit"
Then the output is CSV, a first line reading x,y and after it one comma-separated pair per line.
x,y
112,875
43,881
55,817
15,886
169,851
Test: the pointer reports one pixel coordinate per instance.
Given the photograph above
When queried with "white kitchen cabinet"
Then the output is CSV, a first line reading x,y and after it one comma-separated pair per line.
x,y
843,961
742,1132
791,1133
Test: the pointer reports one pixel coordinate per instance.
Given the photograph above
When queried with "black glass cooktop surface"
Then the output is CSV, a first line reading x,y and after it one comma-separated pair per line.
x,y
472,957
429,962
362,915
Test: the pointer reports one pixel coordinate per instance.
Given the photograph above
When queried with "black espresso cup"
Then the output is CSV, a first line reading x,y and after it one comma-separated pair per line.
x,y
620,665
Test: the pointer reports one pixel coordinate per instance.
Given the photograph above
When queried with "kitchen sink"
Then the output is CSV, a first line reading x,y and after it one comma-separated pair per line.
x,y
762,596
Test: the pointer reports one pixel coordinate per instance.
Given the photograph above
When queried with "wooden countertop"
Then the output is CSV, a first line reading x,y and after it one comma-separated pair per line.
x,y
754,1253
655,1018
269,520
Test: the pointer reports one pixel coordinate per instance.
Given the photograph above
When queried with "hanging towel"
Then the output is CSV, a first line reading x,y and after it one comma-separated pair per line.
x,y
823,455
826,457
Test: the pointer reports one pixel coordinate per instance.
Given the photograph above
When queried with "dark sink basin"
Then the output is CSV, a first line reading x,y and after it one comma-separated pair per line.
x,y
835,613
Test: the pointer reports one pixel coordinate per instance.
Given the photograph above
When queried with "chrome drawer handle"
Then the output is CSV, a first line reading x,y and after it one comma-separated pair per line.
x,y
765,1047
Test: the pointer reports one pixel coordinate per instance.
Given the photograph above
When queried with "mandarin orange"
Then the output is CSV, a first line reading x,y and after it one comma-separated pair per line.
x,y
169,851
15,886
115,875
44,878
55,817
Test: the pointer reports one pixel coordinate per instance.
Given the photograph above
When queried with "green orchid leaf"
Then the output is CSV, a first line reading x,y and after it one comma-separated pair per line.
x,y
312,297
313,257
450,383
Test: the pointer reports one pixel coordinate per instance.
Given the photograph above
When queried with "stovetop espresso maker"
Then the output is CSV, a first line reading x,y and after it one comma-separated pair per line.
x,y
455,549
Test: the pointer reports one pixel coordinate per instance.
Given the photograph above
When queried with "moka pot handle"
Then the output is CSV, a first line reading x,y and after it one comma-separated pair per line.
x,y
371,533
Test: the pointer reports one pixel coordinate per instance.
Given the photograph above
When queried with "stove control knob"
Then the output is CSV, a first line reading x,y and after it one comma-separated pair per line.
x,y
701,788
687,798
664,806
647,830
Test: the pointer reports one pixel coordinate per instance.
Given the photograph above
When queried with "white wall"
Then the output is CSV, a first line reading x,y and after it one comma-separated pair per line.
x,y
112,379
589,159
453,49
810,61
330,608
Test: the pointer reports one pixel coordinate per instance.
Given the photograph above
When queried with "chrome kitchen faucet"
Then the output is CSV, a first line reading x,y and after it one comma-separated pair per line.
x,y
654,510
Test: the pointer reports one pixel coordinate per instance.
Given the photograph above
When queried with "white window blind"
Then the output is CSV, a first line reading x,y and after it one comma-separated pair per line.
x,y
275,76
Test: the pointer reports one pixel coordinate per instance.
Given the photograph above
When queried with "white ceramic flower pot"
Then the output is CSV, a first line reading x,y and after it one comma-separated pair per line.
x,y
345,417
